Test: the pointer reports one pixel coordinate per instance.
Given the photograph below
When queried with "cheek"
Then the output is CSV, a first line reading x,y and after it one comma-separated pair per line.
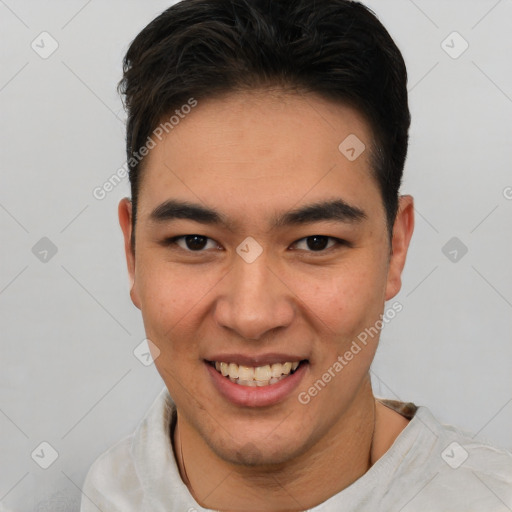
x,y
169,298
169,294
343,299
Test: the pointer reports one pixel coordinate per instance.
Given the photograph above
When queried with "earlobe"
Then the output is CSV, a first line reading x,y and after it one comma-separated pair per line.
x,y
125,221
402,233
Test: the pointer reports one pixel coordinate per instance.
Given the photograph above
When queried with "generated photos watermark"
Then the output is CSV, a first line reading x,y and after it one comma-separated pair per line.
x,y
304,397
100,192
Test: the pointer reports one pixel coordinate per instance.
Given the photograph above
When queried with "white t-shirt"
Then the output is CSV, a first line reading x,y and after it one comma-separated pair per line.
x,y
429,468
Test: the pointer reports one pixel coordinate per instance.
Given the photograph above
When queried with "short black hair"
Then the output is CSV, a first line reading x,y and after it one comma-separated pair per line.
x,y
338,49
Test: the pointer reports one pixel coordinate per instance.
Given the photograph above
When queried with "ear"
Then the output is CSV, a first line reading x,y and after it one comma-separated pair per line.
x,y
402,233
125,221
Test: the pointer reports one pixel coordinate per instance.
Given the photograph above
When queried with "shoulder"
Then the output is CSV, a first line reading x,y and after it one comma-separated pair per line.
x,y
461,468
111,479
118,478
480,463
462,449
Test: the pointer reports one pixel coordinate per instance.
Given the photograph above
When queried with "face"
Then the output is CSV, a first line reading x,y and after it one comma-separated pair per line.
x,y
260,244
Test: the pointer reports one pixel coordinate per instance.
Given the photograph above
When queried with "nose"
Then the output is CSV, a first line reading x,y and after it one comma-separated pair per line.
x,y
253,300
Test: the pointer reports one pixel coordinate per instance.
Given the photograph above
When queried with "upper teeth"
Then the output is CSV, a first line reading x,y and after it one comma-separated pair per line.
x,y
258,373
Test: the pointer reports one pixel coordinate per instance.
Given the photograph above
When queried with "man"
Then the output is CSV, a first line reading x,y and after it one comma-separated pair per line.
x,y
266,142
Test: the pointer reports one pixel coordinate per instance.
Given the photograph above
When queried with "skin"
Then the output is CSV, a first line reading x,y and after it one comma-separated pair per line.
x,y
251,156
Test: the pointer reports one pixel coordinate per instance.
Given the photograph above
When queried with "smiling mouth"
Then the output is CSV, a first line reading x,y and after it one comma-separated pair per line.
x,y
253,376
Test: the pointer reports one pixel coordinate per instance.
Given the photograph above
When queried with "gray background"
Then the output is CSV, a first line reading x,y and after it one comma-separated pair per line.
x,y
68,373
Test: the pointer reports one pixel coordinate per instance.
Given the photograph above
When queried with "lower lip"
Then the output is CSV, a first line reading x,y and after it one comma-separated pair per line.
x,y
257,396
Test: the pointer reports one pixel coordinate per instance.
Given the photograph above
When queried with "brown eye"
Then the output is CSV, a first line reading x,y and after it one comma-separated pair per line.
x,y
195,242
191,243
318,243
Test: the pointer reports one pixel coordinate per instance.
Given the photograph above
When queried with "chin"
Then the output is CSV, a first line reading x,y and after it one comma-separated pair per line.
x,y
258,453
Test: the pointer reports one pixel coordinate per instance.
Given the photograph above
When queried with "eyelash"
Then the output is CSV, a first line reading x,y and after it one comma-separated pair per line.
x,y
168,242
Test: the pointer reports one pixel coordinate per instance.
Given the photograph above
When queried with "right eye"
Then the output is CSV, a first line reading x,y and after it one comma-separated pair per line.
x,y
191,243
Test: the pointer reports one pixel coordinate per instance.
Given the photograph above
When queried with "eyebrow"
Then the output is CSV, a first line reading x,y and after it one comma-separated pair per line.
x,y
336,210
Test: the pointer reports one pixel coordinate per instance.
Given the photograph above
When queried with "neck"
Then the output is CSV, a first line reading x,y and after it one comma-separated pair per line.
x,y
342,456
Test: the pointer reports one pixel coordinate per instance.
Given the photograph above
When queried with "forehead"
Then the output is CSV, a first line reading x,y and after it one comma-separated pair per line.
x,y
246,151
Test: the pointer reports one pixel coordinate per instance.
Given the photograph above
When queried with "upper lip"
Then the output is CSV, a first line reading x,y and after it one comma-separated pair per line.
x,y
256,360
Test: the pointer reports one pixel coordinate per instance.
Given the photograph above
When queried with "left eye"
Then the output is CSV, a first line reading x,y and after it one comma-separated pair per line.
x,y
318,243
